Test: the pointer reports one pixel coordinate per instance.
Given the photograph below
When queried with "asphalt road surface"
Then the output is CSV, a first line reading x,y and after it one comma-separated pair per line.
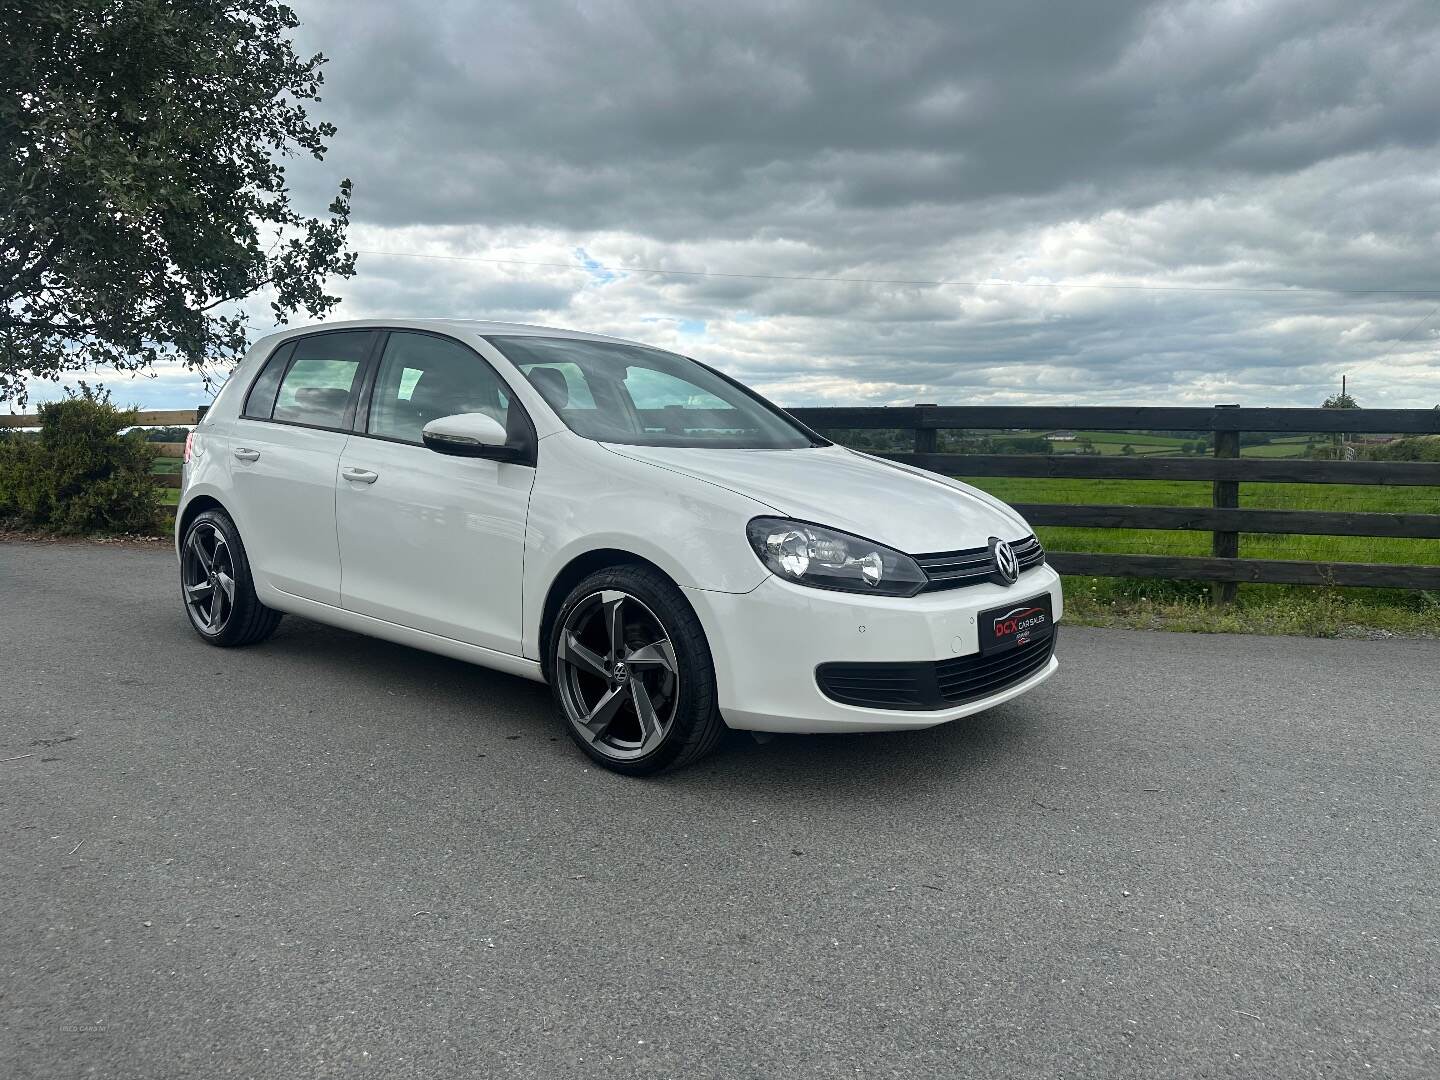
x,y
1184,856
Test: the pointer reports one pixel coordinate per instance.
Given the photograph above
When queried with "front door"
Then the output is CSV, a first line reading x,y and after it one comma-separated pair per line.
x,y
427,540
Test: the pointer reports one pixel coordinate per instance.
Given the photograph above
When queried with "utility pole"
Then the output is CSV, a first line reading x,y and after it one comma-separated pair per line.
x,y
1344,390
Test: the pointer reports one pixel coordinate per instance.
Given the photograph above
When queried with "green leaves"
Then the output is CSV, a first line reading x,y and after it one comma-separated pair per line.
x,y
80,474
141,184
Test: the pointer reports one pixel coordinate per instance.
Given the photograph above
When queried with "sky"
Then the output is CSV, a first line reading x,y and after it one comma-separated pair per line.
x,y
1138,203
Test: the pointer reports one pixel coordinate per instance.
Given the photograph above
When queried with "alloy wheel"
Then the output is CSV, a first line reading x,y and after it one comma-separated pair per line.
x,y
618,678
208,578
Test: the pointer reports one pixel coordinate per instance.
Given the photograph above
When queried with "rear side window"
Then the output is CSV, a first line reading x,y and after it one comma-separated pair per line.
x,y
322,380
261,401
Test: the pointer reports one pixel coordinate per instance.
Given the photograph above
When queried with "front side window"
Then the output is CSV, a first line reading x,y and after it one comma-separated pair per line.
x,y
322,380
630,394
422,378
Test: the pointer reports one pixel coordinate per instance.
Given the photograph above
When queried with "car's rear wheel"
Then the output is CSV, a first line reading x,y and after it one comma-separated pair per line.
x,y
217,587
632,673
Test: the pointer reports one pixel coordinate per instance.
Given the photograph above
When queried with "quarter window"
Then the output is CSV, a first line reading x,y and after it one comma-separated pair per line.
x,y
423,377
322,379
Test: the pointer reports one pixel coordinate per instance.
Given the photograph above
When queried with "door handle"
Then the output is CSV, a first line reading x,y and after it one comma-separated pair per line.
x,y
246,454
360,476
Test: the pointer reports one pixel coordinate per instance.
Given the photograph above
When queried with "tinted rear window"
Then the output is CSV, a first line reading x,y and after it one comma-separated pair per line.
x,y
323,379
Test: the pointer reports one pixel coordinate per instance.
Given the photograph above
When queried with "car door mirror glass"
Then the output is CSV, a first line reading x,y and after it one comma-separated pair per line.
x,y
466,435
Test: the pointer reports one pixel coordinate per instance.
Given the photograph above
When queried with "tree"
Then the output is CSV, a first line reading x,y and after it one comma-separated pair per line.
x,y
142,190
1416,448
1127,450
1341,400
1020,444
166,434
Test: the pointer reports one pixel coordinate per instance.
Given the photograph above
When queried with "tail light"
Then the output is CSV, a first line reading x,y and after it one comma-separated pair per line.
x,y
189,445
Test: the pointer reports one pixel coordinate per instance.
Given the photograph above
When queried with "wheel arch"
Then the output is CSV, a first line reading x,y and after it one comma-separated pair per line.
x,y
575,571
193,509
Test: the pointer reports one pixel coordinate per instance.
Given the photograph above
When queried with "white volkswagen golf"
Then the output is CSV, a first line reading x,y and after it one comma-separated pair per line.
x,y
669,551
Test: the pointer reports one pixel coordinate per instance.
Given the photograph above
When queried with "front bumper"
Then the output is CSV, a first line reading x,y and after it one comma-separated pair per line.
x,y
767,644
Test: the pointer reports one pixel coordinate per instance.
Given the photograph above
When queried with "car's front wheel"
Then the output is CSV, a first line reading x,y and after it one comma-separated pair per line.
x,y
632,673
216,584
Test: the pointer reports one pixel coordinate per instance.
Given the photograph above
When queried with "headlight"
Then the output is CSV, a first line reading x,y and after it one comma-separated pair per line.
x,y
827,559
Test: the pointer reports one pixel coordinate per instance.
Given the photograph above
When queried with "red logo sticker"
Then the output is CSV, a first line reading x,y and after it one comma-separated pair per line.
x,y
1018,624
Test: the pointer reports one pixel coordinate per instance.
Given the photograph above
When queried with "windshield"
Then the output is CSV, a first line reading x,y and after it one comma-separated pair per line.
x,y
629,394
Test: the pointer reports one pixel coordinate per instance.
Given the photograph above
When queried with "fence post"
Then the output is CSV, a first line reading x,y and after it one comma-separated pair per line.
x,y
925,437
1226,494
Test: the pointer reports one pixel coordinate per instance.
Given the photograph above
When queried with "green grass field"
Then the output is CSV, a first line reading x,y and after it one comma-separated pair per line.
x,y
166,466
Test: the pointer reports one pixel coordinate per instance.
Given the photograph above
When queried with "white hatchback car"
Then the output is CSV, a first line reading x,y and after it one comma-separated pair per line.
x,y
669,551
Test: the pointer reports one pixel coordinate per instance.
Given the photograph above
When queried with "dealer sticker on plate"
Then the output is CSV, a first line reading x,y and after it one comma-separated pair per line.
x,y
1016,625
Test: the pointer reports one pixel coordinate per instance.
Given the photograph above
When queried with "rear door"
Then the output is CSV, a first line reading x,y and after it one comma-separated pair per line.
x,y
294,424
428,540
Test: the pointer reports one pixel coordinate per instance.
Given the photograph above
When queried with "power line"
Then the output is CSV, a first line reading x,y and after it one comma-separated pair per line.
x,y
909,282
1401,339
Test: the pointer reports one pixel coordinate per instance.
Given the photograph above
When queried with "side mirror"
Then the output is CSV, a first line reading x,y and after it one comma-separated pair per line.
x,y
468,435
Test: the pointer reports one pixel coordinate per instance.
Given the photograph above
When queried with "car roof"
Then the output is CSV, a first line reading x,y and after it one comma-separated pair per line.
x,y
481,327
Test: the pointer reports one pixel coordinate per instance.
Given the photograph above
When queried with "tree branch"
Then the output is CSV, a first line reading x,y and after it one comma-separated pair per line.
x,y
25,277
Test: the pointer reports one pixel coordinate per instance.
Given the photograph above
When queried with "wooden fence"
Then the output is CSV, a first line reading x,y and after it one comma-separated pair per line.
x,y
1226,470
143,418
1224,519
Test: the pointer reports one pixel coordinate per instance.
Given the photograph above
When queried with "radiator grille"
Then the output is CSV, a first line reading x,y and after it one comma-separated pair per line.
x,y
973,566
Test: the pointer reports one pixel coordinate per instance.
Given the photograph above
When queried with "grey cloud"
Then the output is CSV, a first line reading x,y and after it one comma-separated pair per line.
x,y
517,113
394,288
1281,144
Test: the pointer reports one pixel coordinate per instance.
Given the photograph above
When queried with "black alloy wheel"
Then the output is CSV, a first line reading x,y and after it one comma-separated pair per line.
x,y
632,673
207,574
217,586
619,678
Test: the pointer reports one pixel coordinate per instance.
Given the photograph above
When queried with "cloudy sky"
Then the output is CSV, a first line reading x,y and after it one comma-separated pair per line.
x,y
1146,203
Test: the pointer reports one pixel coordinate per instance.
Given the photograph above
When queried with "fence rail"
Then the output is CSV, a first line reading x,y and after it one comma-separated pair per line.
x,y
145,418
1233,519
1127,418
1225,470
1236,469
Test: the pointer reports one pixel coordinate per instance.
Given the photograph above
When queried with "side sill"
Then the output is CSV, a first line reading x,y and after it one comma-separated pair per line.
x,y
403,635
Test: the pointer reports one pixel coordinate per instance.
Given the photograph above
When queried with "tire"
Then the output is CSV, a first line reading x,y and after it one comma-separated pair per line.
x,y
587,677
204,570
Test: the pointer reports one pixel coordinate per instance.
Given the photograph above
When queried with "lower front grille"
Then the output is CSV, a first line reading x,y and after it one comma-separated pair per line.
x,y
933,685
